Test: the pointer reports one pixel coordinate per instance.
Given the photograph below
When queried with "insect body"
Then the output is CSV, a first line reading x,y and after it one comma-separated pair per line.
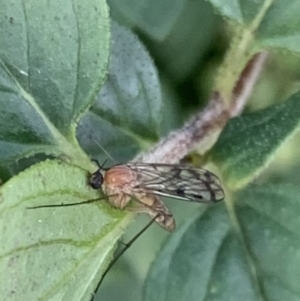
x,y
146,182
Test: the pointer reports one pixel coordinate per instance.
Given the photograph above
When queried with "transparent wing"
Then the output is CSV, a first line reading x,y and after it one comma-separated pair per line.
x,y
178,181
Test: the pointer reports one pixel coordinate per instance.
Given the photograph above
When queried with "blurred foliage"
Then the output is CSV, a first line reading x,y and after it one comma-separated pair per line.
x,y
163,65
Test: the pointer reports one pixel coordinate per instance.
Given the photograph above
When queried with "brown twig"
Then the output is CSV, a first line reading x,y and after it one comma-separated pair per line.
x,y
246,82
179,143
203,129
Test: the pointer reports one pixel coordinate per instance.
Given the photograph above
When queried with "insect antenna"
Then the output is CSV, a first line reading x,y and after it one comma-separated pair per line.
x,y
103,149
100,166
126,247
97,143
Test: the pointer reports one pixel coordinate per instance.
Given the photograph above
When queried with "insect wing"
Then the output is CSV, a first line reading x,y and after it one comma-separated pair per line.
x,y
178,181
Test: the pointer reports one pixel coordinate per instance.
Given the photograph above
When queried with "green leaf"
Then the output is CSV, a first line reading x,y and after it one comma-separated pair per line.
x,y
129,106
8,171
154,17
215,258
53,59
248,143
196,27
281,27
275,22
54,253
239,11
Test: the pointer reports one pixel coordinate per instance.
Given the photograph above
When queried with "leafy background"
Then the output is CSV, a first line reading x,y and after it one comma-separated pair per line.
x,y
54,59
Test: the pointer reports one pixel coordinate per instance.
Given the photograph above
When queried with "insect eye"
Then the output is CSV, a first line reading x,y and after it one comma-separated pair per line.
x,y
180,191
96,180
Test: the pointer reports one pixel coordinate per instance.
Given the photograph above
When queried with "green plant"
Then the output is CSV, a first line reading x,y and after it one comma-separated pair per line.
x,y
54,58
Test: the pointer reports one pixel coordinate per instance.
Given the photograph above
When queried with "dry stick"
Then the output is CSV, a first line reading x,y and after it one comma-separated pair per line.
x,y
246,82
204,128
195,132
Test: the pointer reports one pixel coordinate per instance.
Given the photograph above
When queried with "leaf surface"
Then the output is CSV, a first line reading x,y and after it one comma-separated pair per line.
x,y
128,109
53,59
275,22
54,253
215,258
249,142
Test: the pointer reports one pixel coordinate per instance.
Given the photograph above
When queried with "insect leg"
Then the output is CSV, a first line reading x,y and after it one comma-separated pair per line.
x,y
117,257
70,204
66,205
156,210
164,219
119,200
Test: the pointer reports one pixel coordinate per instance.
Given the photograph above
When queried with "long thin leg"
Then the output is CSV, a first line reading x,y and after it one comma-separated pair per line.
x,y
70,204
66,205
153,206
126,247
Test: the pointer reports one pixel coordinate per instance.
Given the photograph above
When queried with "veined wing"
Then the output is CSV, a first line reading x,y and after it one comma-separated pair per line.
x,y
178,181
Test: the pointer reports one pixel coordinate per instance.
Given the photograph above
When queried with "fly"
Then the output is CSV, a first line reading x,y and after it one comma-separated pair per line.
x,y
145,183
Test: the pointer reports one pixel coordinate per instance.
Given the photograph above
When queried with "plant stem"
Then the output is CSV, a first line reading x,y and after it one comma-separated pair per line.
x,y
204,128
